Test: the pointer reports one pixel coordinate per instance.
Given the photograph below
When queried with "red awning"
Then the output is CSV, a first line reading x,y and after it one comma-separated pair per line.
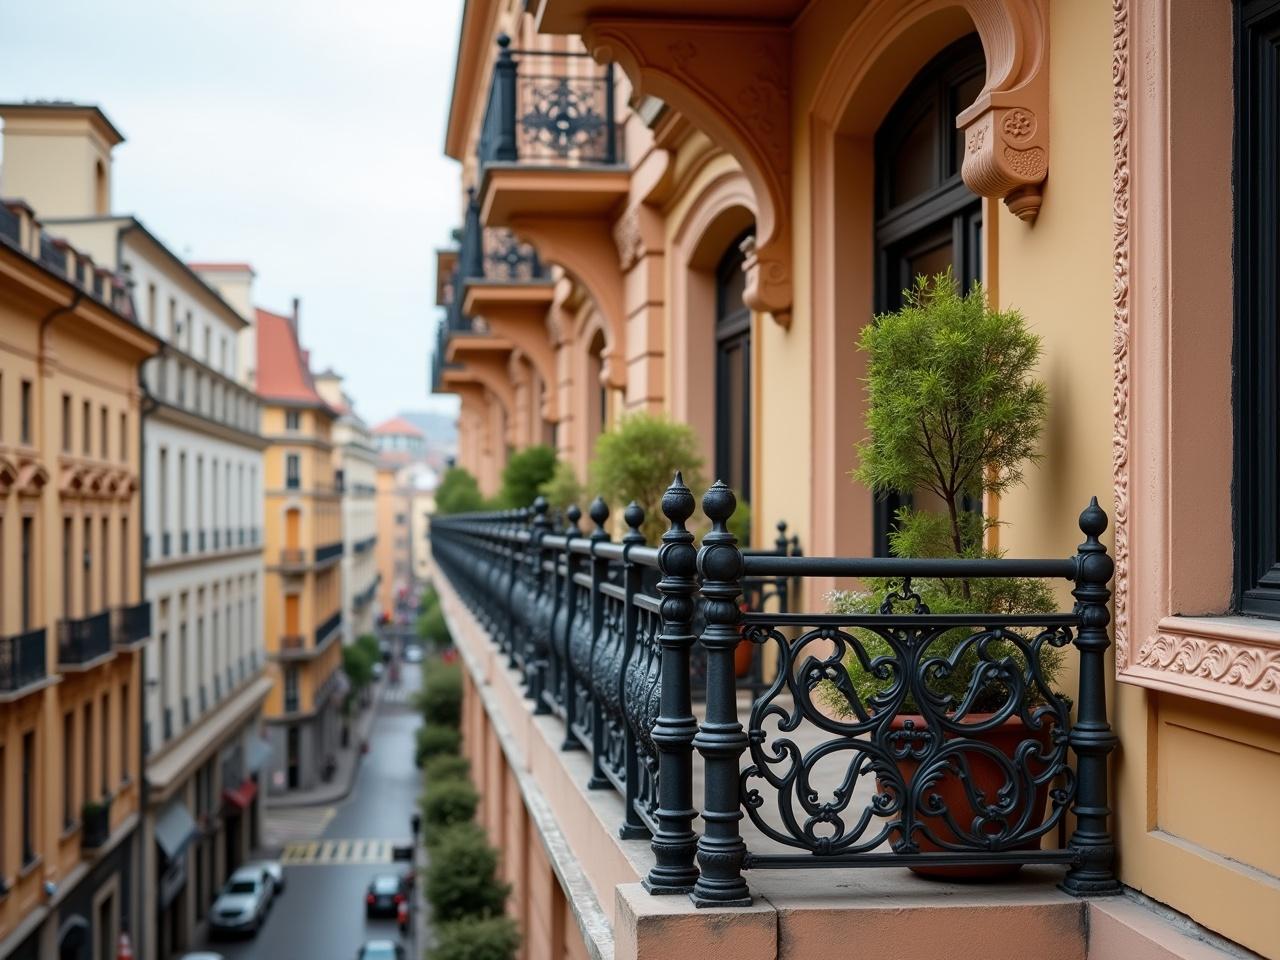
x,y
241,796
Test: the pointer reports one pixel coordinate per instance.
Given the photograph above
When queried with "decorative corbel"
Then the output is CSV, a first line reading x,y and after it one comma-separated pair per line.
x,y
31,479
1006,130
732,80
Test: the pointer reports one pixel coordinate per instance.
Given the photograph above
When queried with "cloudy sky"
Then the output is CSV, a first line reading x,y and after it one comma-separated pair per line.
x,y
303,136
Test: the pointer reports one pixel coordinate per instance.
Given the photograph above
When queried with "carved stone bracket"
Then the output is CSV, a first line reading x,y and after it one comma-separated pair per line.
x,y
732,80
1006,130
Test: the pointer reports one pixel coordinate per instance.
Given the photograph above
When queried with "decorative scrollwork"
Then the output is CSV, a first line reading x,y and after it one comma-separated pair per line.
x,y
563,117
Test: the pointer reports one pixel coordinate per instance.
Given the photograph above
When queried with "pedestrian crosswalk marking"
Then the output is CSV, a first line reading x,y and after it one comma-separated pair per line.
x,y
340,853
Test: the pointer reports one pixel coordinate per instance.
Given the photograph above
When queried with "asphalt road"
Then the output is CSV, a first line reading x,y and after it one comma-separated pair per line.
x,y
321,914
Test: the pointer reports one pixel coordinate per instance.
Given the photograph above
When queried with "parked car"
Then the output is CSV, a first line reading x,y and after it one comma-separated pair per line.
x,y
377,669
413,654
242,905
385,892
274,869
205,955
380,950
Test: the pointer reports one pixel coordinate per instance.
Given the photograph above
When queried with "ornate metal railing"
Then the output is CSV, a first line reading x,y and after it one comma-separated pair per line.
x,y
22,660
83,640
549,108
327,628
329,551
131,624
896,736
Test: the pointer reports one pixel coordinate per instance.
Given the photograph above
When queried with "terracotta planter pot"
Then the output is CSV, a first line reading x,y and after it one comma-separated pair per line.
x,y
987,777
743,654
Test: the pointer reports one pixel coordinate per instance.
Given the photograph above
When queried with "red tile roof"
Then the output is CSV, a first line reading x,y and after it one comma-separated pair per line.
x,y
282,369
398,425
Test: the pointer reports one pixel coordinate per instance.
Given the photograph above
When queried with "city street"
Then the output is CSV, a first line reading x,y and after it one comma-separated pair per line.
x,y
332,852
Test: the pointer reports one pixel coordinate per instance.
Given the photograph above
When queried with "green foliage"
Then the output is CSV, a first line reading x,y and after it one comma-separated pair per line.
x,y
462,879
525,473
358,666
432,740
446,803
637,459
369,644
740,523
433,629
953,406
476,938
428,599
440,698
563,489
458,493
445,766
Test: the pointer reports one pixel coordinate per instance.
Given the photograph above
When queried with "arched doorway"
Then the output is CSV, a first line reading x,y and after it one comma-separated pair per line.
x,y
926,219
733,373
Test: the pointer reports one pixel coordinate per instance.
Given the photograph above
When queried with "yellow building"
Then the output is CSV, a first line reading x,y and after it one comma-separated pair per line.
x,y
694,208
303,548
73,620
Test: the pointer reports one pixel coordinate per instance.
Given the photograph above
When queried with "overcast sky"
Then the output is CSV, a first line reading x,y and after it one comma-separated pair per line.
x,y
303,136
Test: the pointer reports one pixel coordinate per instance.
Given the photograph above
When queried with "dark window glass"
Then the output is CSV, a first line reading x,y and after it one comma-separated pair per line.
x,y
24,413
733,373
927,220
1257,307
68,769
66,423
28,797
293,471
28,571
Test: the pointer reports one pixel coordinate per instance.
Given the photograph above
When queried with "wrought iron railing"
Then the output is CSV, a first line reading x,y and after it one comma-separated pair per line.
x,y
80,641
10,225
327,628
131,624
898,736
22,660
549,108
329,551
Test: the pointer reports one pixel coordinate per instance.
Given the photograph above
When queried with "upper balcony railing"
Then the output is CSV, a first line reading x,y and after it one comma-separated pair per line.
x,y
22,660
131,624
84,640
895,736
549,109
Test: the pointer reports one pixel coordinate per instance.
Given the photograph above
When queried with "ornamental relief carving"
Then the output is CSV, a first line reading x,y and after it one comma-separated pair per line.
x,y
1120,321
1238,665
627,238
1007,156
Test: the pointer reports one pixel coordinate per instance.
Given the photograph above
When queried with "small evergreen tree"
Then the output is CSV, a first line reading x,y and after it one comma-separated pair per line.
x,y
563,488
476,938
462,880
525,473
636,459
458,493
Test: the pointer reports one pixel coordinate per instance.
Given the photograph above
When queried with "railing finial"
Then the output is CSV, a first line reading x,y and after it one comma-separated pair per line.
x,y
573,514
633,516
599,513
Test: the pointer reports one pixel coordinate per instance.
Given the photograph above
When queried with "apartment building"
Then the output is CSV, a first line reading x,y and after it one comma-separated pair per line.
x,y
304,547
203,551
355,465
73,618
401,447
695,212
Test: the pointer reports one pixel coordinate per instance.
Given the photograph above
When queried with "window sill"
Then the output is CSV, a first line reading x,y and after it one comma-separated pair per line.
x,y
1230,660
30,867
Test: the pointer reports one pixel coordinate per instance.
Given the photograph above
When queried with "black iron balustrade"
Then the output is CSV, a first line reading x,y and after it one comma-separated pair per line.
x,y
81,641
22,660
328,627
53,254
10,225
329,551
898,736
547,107
131,624
508,259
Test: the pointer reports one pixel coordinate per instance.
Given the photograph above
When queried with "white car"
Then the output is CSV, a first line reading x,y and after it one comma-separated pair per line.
x,y
413,654
201,956
242,905
380,950
273,869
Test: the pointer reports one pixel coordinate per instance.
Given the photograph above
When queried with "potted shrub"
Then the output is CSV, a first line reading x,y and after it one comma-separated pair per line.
x,y
954,412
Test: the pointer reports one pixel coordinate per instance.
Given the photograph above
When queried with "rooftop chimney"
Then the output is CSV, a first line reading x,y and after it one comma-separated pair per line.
x,y
294,318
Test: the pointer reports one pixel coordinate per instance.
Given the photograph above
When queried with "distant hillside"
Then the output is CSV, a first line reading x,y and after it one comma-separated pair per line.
x,y
441,430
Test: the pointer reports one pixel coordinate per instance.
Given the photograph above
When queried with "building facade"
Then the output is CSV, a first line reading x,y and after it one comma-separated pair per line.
x,y
356,473
202,514
74,621
401,449
696,215
303,550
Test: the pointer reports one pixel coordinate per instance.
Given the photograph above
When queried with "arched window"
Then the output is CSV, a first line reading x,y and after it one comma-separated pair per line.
x,y
927,219
733,372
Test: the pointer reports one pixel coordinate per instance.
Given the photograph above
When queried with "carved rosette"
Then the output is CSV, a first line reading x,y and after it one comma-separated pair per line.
x,y
1006,155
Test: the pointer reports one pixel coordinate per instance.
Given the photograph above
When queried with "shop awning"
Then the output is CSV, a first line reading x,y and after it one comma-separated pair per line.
x,y
241,796
256,754
175,828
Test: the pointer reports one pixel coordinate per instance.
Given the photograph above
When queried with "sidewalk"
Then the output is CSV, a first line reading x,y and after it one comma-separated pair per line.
x,y
347,763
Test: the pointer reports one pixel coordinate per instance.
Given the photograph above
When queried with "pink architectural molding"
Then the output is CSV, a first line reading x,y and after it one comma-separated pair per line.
x,y
1171,457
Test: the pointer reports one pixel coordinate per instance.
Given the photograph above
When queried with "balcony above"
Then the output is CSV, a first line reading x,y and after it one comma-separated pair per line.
x,y
22,663
329,553
84,643
549,142
131,626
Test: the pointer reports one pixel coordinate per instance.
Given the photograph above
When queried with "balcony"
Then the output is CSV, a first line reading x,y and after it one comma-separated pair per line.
x,y
81,643
365,545
22,661
890,737
329,552
328,629
95,824
293,559
131,625
294,646
549,143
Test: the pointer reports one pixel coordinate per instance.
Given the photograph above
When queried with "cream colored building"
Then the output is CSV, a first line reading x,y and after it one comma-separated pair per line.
x,y
356,464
